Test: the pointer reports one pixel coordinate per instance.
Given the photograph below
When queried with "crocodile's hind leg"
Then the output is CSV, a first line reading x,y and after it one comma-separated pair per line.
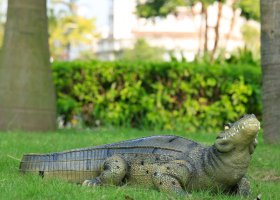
x,y
172,177
115,168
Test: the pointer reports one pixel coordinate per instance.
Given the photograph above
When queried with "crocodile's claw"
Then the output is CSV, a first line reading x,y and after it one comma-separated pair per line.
x,y
92,182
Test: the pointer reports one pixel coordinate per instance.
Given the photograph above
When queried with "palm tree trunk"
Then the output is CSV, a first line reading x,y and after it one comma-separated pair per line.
x,y
26,89
270,48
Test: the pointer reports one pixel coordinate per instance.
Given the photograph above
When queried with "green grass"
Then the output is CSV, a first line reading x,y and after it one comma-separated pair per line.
x,y
264,171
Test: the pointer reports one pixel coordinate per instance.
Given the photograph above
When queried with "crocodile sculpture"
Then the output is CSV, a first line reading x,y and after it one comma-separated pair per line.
x,y
167,163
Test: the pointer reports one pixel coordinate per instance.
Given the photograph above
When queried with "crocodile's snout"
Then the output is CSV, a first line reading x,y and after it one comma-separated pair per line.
x,y
249,123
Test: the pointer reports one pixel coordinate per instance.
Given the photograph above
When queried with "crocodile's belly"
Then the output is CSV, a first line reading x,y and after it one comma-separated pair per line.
x,y
71,176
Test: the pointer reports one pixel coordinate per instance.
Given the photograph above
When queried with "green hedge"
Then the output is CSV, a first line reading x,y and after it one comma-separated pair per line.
x,y
189,96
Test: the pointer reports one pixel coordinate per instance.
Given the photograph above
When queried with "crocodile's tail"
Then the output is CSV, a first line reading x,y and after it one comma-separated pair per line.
x,y
34,163
74,166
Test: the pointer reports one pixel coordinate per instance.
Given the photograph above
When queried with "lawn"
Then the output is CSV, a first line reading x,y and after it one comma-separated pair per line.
x,y
264,171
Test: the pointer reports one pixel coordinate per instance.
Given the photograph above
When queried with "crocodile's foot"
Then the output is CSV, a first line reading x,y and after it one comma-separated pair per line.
x,y
92,182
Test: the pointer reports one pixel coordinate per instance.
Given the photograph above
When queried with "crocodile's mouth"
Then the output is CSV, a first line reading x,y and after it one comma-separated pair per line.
x,y
248,125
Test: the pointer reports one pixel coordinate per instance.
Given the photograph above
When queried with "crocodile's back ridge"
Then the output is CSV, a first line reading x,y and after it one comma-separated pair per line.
x,y
170,142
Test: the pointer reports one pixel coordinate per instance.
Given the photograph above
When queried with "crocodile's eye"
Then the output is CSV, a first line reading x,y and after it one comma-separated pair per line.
x,y
227,126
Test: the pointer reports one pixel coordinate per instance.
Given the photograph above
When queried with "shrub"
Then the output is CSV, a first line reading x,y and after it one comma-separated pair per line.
x,y
189,96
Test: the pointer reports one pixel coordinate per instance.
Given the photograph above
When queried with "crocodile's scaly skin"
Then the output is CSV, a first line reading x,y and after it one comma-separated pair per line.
x,y
168,163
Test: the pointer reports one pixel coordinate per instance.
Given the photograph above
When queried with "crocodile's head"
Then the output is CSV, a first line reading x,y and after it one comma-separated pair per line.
x,y
239,135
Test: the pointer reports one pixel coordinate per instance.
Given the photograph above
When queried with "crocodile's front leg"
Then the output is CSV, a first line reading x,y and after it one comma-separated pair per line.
x,y
243,187
172,177
167,183
115,168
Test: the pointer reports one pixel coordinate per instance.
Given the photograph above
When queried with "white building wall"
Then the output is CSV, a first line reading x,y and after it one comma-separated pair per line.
x,y
124,19
181,33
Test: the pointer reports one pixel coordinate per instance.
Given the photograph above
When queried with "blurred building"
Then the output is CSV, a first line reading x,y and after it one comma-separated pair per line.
x,y
182,34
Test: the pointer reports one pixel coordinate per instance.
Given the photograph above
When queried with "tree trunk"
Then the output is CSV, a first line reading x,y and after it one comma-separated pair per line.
x,y
205,11
217,29
270,48
200,32
27,97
